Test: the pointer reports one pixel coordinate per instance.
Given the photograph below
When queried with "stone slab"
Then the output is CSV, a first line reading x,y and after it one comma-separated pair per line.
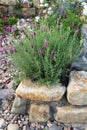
x,y
71,114
29,90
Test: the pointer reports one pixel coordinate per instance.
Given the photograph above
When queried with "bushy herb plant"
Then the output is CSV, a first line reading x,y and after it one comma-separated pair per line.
x,y
12,20
1,22
68,13
45,53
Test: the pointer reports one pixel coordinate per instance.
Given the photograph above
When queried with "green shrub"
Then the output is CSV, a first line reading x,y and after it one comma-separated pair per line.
x,y
45,53
17,79
12,21
17,6
68,13
1,22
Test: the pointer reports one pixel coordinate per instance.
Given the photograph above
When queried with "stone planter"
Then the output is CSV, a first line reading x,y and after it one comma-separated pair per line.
x,y
43,103
36,98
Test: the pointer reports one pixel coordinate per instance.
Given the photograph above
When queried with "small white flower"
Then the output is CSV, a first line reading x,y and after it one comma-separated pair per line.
x,y
41,5
50,12
41,1
19,27
84,8
18,23
29,28
46,5
50,8
85,11
37,18
22,20
83,4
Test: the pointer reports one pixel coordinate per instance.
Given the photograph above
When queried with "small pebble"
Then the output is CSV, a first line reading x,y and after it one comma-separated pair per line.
x,y
24,128
38,126
25,122
2,122
13,127
6,111
19,122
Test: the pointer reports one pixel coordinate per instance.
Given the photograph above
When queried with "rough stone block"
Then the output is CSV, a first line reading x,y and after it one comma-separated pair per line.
x,y
36,3
13,127
39,113
27,12
29,90
11,10
24,4
71,114
3,9
19,106
77,88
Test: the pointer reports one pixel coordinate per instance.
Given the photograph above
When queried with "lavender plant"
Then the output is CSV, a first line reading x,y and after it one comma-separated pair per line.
x,y
68,13
45,53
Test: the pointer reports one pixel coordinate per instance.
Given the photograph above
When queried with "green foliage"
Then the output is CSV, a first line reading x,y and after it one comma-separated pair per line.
x,y
17,6
1,22
73,5
68,13
17,80
12,21
18,14
45,53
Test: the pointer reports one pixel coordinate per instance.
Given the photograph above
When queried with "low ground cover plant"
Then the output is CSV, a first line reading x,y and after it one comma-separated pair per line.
x,y
45,53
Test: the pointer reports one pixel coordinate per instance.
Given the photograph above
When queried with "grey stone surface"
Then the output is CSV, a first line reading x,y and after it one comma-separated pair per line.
x,y
55,127
6,93
84,34
19,105
13,127
80,64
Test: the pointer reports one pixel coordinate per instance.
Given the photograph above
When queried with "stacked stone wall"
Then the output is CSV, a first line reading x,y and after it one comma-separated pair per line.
x,y
27,8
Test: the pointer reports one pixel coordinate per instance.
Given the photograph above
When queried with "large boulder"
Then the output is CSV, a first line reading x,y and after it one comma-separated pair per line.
x,y
77,88
29,90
